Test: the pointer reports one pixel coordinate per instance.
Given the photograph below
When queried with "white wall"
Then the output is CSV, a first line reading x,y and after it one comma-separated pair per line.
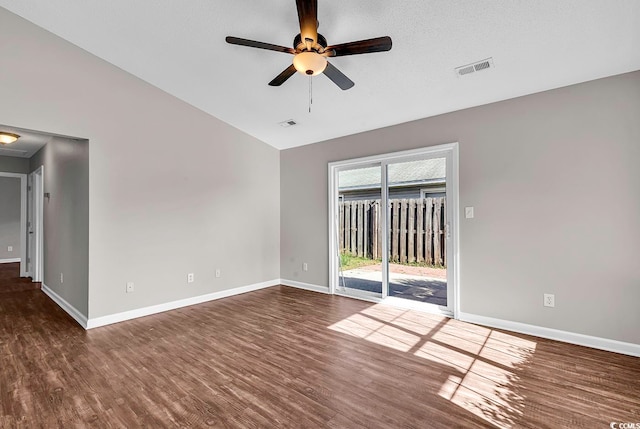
x,y
555,182
10,164
172,190
66,218
9,217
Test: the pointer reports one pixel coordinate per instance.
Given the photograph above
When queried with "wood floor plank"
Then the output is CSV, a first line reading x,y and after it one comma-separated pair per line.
x,y
287,358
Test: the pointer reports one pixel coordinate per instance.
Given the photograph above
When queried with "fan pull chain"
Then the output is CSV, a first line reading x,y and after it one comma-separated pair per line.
x,y
310,93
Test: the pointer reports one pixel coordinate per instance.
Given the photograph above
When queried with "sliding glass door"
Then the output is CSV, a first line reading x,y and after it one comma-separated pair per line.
x,y
419,225
392,227
360,239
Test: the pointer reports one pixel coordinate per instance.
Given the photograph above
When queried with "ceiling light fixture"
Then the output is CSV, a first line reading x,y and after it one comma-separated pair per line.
x,y
7,138
309,63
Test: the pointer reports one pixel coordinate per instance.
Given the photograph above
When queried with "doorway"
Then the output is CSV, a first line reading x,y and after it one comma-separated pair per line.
x,y
35,224
23,220
393,228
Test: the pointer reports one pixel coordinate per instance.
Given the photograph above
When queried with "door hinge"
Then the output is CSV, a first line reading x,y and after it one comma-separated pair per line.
x,y
447,229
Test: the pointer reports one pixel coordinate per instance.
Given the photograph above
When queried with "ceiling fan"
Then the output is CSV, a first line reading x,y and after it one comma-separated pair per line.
x,y
310,48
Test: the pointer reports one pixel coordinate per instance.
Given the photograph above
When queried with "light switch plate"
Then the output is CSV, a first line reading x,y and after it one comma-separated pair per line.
x,y
468,212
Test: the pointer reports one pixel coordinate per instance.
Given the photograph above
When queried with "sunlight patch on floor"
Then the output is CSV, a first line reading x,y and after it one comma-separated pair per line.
x,y
484,364
377,332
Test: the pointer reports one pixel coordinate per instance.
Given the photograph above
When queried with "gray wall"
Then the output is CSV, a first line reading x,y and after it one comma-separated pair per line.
x,y
9,217
10,164
66,218
172,190
556,186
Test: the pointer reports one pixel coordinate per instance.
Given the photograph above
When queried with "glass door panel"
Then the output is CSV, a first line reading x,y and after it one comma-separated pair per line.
x,y
360,234
418,227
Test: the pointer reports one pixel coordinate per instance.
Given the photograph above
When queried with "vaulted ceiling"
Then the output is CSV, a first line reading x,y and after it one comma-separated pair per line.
x,y
180,48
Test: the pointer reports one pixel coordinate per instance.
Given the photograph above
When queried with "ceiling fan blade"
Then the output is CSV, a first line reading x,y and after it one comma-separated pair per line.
x,y
282,77
308,17
378,44
261,45
338,77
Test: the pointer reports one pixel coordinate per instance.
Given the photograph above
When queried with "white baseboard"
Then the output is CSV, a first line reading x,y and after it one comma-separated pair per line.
x,y
555,334
160,308
73,312
305,286
9,261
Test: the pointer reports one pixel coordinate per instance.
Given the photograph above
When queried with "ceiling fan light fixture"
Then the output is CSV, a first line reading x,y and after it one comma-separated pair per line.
x,y
7,138
309,63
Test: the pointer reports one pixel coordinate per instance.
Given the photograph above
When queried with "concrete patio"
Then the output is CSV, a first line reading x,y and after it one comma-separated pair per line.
x,y
415,283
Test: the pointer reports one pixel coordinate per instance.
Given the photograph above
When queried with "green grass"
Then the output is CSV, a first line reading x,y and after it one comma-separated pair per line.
x,y
349,262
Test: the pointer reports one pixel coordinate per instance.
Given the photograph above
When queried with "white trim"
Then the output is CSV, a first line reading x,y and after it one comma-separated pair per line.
x,y
9,261
410,304
555,334
23,219
359,296
384,226
392,155
425,192
160,308
305,286
70,309
37,193
29,267
333,202
454,274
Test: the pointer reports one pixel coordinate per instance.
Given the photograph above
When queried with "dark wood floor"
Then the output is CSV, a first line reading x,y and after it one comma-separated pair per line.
x,y
10,280
287,358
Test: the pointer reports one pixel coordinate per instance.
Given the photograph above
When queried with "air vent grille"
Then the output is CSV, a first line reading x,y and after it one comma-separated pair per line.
x,y
288,123
474,67
481,66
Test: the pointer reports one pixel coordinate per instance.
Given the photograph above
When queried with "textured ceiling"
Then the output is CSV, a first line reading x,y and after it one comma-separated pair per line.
x,y
179,47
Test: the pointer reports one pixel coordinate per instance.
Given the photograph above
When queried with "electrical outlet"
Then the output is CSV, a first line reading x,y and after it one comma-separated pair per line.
x,y
190,278
305,266
218,273
129,287
9,248
549,300
61,278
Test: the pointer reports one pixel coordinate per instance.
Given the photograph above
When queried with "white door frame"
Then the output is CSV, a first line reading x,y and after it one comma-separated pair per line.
x,y
30,237
23,219
450,152
37,227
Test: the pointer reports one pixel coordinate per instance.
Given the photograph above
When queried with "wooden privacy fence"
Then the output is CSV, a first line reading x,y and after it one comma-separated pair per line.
x,y
416,229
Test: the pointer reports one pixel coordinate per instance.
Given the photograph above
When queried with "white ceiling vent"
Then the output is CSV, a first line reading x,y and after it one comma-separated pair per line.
x,y
475,67
288,123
